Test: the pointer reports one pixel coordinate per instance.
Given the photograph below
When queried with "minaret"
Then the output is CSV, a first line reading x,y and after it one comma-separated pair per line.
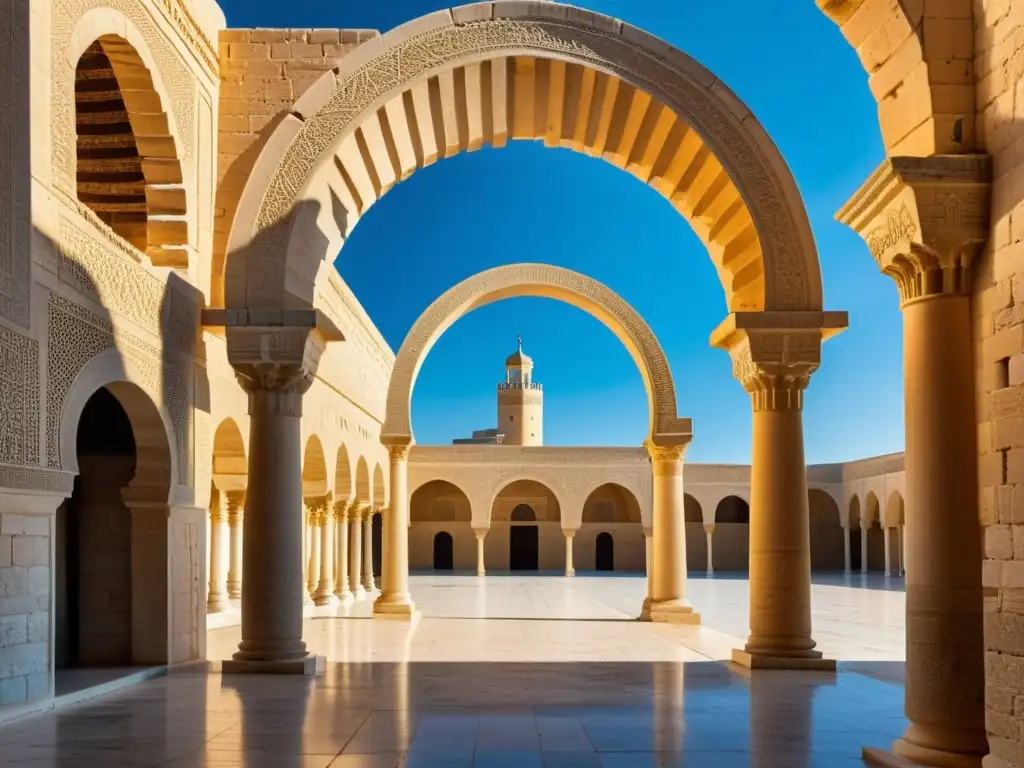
x,y
520,401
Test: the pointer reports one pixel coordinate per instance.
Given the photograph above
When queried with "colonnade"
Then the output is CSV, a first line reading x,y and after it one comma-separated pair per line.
x,y
338,550
895,554
225,555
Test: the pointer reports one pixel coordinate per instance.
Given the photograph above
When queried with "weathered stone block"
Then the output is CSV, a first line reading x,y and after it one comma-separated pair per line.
x,y
31,550
13,690
39,580
324,35
1004,632
37,525
38,685
1001,724
6,551
998,542
13,582
24,659
12,525
38,627
269,35
13,630
249,51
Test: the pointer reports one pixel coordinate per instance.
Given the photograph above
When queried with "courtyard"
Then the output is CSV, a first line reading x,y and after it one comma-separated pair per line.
x,y
513,670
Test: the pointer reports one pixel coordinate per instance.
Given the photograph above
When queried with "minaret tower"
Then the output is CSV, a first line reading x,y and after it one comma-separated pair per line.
x,y
520,401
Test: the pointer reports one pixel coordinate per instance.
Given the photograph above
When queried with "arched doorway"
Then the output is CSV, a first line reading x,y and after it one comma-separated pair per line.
x,y
853,532
439,507
376,532
444,552
613,512
827,547
110,554
523,540
604,552
732,535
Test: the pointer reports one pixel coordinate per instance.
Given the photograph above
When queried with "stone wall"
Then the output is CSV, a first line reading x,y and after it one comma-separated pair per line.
x,y
25,669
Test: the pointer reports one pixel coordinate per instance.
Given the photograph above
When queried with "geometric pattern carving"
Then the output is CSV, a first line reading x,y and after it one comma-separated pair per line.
x,y
19,399
15,173
174,74
74,336
537,280
791,274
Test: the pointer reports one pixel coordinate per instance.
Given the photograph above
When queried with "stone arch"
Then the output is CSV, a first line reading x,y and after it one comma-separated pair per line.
x,y
871,512
894,515
924,89
826,531
364,491
693,512
344,488
624,507
155,438
439,501
528,484
734,510
229,449
314,469
533,280
853,518
731,548
461,78
380,491
125,161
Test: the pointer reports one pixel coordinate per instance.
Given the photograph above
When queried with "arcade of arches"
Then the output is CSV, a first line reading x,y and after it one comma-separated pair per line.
x,y
185,372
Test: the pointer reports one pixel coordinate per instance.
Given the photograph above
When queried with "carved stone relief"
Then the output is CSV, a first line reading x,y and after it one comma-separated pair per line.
x,y
19,399
15,174
899,226
174,73
360,93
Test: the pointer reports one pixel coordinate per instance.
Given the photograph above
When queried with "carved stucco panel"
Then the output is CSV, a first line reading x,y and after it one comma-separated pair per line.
x,y
174,73
19,399
362,92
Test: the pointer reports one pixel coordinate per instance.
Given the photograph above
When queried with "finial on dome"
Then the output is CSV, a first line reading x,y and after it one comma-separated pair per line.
x,y
519,342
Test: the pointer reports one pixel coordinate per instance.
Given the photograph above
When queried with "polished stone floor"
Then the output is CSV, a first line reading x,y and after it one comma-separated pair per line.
x,y
529,689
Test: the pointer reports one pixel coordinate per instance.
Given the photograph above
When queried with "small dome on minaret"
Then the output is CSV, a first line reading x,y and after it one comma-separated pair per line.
x,y
517,359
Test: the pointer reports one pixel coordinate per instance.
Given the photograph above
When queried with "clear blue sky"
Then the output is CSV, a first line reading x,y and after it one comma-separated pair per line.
x,y
527,203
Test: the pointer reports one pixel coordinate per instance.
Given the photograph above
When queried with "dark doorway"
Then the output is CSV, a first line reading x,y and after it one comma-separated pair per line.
x,y
524,548
855,553
604,552
376,533
444,555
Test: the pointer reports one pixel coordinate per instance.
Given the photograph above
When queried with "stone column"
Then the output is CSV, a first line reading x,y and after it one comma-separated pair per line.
x,y
355,561
569,534
847,554
668,589
316,518
341,587
773,358
325,588
708,530
924,220
481,534
217,599
888,556
236,518
394,599
645,610
271,566
864,546
368,553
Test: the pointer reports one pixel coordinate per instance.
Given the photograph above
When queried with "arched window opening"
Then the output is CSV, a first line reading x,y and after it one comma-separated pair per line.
x,y
604,552
128,172
444,552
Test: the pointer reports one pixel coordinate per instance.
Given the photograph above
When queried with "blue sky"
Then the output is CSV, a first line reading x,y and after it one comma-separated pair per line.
x,y
527,203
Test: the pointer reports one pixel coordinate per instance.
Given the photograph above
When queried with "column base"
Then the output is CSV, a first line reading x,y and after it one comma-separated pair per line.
x,y
369,588
570,572
326,598
344,597
881,758
310,665
218,604
673,612
397,609
764,661
481,573
359,594
645,610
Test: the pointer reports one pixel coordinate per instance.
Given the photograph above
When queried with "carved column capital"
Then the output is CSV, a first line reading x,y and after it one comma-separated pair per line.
x,y
775,353
316,508
666,459
399,452
340,510
924,219
235,504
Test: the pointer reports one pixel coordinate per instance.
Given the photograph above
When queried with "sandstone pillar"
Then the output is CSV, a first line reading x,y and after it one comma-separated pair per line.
x,y
394,599
888,556
569,534
924,219
355,562
864,525
481,534
341,588
668,592
847,554
774,356
368,553
325,587
313,564
217,599
236,503
645,610
708,530
272,599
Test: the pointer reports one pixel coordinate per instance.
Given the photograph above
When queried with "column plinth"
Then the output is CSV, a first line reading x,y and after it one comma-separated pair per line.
x,y
668,587
271,564
395,600
925,218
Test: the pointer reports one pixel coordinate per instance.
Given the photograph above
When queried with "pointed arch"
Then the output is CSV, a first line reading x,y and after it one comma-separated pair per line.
x,y
314,469
380,489
344,488
364,491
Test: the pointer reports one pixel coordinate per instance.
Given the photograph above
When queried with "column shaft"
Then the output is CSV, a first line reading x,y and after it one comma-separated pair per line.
x,y
368,552
325,589
888,556
711,559
235,525
780,539
569,569
945,674
668,594
341,546
395,598
863,549
355,563
847,554
313,570
217,599
271,568
481,570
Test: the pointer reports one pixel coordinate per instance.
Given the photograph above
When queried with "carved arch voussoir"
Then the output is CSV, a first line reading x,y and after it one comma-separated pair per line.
x,y
259,242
